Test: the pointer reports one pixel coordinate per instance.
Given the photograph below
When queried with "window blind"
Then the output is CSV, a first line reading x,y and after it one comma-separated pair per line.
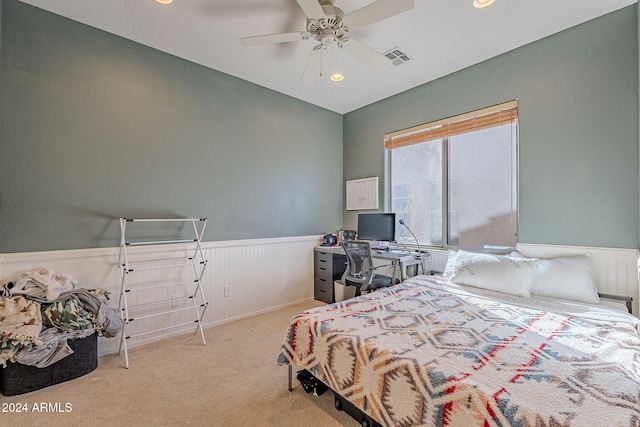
x,y
468,122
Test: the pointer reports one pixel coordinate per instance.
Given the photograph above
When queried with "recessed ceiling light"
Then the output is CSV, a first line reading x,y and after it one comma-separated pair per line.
x,y
482,3
336,77
164,1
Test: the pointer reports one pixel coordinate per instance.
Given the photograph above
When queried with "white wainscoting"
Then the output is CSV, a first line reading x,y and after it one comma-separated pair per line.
x,y
263,275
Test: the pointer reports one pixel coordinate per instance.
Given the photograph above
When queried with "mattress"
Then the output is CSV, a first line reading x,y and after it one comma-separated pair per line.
x,y
424,353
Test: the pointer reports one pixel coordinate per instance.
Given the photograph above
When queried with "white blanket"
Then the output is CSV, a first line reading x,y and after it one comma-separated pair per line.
x,y
42,283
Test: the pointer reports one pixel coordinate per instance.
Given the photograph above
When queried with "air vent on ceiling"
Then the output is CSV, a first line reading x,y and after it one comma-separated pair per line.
x,y
397,56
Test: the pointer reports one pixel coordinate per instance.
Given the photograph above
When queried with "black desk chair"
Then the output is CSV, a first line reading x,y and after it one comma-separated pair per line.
x,y
360,271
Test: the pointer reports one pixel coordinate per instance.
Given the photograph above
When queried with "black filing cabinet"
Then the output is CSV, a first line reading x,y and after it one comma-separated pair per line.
x,y
329,266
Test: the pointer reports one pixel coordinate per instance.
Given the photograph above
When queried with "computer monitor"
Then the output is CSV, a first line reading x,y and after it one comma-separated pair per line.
x,y
378,226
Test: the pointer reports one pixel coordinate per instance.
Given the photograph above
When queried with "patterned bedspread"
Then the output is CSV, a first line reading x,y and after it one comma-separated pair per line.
x,y
422,353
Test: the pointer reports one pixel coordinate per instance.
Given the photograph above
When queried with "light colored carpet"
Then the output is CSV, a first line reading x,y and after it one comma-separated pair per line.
x,y
232,381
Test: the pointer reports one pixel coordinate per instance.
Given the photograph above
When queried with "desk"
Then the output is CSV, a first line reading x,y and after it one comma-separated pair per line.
x,y
330,263
399,259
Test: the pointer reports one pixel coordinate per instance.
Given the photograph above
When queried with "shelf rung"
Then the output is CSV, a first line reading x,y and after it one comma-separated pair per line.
x,y
164,220
164,301
164,285
134,267
161,260
176,310
160,242
161,329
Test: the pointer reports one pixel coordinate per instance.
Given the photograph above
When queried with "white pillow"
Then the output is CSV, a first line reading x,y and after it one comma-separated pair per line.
x,y
566,278
500,273
448,269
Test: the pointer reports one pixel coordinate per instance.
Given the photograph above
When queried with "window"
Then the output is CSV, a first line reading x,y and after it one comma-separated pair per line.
x,y
454,181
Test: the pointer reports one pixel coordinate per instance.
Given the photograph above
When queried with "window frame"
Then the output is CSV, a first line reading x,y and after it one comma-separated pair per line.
x,y
511,105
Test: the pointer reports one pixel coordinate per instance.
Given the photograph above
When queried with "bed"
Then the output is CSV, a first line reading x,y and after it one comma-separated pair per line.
x,y
478,347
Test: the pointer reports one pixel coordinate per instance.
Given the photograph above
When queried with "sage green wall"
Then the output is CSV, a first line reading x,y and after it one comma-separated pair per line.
x,y
94,127
579,126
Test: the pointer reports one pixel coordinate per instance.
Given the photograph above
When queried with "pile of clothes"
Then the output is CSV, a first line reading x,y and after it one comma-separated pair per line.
x,y
40,310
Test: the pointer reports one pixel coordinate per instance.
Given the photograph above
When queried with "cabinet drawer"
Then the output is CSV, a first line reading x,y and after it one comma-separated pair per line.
x,y
323,256
323,290
325,273
324,283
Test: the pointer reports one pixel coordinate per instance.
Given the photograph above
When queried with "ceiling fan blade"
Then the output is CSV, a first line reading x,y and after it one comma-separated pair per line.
x,y
273,38
366,54
312,9
313,69
376,11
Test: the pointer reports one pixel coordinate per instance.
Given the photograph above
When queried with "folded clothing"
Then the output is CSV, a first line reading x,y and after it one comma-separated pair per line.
x,y
20,326
67,315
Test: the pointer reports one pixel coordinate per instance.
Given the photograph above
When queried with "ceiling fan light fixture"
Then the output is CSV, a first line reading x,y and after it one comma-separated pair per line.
x,y
337,77
479,4
164,1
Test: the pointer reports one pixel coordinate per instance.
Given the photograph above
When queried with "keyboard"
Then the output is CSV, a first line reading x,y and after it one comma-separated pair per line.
x,y
401,253
394,253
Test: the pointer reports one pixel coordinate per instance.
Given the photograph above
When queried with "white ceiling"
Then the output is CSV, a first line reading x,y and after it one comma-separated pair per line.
x,y
440,36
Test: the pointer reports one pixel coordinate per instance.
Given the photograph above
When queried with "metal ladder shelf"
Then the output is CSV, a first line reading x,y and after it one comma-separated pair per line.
x,y
195,298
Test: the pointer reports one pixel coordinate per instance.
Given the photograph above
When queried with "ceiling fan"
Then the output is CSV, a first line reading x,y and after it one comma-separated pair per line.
x,y
327,24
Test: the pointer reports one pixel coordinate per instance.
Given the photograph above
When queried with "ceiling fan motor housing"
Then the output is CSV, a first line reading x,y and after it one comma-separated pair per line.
x,y
330,28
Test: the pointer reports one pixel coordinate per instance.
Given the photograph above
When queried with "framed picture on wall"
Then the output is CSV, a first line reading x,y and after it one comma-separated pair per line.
x,y
362,194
